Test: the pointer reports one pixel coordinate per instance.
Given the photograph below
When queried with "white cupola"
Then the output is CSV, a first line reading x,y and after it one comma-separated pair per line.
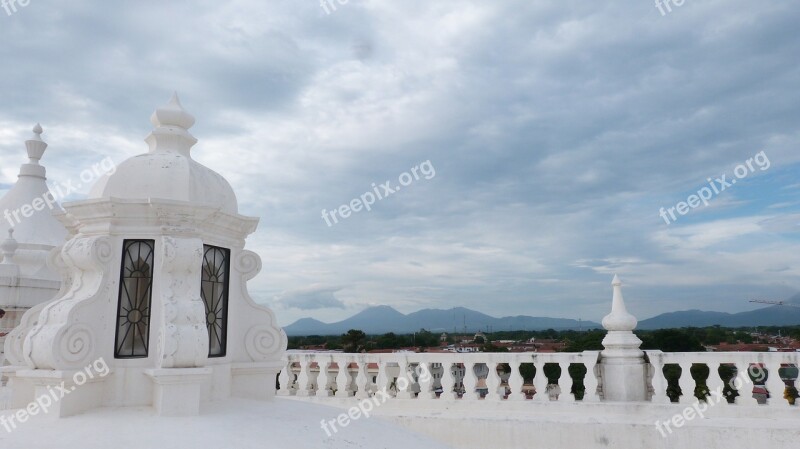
x,y
32,232
168,171
156,287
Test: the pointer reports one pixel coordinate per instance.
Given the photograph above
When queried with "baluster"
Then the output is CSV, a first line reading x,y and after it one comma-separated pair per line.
x,y
404,380
303,378
660,383
796,380
714,383
744,385
540,381
590,381
285,379
565,384
470,382
343,378
382,382
425,376
515,382
362,378
493,382
448,383
775,385
686,383
323,378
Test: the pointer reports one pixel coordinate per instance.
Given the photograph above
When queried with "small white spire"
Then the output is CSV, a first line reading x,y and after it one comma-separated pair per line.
x,y
9,248
619,319
35,145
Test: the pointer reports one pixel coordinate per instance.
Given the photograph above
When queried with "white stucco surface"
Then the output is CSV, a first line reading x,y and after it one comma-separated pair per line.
x,y
236,423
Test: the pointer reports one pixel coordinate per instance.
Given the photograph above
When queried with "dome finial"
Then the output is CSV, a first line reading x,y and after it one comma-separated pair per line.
x,y
172,124
35,145
172,114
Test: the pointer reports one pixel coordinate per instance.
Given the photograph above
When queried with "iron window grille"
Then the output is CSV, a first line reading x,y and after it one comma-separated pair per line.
x,y
135,297
214,291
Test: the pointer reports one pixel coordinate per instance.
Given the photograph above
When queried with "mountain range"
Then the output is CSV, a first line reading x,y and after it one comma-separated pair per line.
x,y
787,315
383,319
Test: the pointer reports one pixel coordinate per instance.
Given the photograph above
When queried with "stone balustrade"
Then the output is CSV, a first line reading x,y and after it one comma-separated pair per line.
x,y
759,378
497,376
490,376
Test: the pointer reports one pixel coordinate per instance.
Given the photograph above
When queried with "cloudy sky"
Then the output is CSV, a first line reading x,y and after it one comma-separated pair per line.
x,y
556,130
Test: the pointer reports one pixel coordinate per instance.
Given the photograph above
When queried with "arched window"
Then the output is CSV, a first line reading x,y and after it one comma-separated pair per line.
x,y
214,291
135,295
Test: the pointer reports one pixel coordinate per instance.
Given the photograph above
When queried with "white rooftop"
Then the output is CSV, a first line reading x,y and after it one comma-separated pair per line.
x,y
235,423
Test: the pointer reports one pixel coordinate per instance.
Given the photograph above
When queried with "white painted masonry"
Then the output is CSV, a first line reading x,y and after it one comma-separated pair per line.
x,y
165,196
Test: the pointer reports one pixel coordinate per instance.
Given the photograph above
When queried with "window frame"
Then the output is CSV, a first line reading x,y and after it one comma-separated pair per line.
x,y
223,340
126,244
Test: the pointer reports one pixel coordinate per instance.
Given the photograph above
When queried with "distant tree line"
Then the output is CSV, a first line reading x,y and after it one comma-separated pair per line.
x,y
667,340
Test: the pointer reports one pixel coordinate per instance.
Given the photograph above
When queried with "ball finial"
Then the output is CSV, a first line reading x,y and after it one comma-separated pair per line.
x,y
35,145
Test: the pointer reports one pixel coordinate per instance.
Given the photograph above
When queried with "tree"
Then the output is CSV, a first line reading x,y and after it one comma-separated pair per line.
x,y
354,340
489,347
586,341
388,341
671,340
426,339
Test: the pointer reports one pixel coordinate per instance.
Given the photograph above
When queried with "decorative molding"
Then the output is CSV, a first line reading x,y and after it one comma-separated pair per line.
x,y
264,339
76,344
264,342
248,264
183,339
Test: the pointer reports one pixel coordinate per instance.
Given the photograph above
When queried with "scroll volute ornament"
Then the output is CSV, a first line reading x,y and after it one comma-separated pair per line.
x,y
65,334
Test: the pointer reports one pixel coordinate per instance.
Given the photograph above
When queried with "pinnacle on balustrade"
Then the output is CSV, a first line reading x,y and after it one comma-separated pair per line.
x,y
619,319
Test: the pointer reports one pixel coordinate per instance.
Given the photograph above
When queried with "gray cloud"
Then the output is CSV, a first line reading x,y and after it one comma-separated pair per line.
x,y
310,298
557,129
